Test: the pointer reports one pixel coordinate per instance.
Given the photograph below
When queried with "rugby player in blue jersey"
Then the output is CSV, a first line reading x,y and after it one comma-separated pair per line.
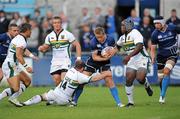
x,y
164,36
101,63
5,39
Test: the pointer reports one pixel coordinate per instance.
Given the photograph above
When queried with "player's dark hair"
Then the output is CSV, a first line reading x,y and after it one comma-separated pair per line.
x,y
79,64
12,25
25,27
173,10
57,17
99,30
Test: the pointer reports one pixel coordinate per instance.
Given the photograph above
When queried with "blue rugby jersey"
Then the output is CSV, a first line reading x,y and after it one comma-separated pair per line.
x,y
4,44
166,41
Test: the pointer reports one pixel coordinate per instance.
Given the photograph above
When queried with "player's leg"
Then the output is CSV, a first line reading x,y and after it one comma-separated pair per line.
x,y
79,91
25,82
1,72
166,80
142,79
130,76
36,99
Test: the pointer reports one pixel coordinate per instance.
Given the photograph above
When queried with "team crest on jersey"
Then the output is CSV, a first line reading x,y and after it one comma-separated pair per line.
x,y
62,36
159,36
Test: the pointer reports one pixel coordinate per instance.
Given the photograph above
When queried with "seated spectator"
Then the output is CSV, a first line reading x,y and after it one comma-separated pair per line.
x,y
4,22
135,18
146,13
65,21
16,19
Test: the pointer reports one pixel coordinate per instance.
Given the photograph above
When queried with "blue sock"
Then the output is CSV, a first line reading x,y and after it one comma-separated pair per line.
x,y
114,93
77,94
165,83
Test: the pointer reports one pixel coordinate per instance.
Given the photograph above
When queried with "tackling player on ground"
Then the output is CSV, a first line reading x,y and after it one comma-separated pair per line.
x,y
62,94
164,36
18,80
60,40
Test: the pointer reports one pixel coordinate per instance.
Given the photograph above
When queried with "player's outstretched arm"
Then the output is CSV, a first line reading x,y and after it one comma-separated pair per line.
x,y
29,54
43,48
153,53
78,49
101,76
20,58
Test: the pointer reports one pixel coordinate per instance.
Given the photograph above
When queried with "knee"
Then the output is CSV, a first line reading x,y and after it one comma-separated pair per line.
x,y
166,71
129,82
15,89
27,82
141,81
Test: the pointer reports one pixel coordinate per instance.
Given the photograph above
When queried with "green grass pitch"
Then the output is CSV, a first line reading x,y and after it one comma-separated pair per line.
x,y
97,103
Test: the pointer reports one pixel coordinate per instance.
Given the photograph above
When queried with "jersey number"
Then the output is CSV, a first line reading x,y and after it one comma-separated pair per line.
x,y
63,85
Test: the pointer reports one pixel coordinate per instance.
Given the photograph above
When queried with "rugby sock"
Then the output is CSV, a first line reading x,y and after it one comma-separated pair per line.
x,y
6,92
77,94
17,94
34,100
114,93
129,93
146,84
165,83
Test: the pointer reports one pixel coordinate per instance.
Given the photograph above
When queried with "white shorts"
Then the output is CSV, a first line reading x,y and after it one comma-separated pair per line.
x,y
55,67
57,99
138,62
10,69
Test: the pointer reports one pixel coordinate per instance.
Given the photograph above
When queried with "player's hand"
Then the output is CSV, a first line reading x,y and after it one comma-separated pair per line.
x,y
41,49
29,70
126,59
35,58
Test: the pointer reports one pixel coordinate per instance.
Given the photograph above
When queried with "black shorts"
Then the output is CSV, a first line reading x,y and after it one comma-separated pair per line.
x,y
161,60
92,67
59,71
1,62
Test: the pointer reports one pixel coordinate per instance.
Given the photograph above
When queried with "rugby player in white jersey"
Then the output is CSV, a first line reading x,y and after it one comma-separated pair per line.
x,y
18,80
62,94
136,60
60,40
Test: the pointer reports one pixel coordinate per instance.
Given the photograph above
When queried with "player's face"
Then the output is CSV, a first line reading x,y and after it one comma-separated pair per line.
x,y
56,24
158,26
28,33
14,31
123,28
100,37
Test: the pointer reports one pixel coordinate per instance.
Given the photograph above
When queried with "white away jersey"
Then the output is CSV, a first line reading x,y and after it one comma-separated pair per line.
x,y
128,43
18,41
71,81
60,44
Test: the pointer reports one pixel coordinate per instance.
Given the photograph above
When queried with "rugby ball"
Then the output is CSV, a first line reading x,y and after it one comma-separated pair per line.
x,y
105,50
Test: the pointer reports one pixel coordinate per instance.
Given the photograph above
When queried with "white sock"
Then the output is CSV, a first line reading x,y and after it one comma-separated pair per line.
x,y
17,94
6,92
129,93
34,100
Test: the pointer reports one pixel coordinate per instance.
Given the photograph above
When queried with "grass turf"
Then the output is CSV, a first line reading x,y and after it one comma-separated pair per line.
x,y
97,103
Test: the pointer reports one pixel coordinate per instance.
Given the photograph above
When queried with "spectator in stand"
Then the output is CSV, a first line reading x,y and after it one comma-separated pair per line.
x,y
33,41
87,36
173,19
110,24
65,21
26,19
135,18
98,18
49,16
16,19
4,22
84,19
146,30
37,16
146,13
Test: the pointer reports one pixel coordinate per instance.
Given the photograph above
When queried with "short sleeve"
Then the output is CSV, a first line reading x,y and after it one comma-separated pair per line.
x,y
138,38
71,37
47,39
120,42
20,43
154,39
82,78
